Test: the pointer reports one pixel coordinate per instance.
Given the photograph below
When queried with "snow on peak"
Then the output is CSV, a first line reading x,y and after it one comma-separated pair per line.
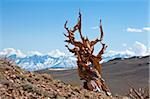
x,y
31,53
11,51
56,53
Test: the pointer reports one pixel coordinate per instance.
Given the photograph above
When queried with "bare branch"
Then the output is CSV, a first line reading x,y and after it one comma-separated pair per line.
x,y
65,35
65,26
102,50
101,31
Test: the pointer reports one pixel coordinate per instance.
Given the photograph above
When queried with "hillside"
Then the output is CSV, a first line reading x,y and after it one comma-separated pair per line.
x,y
118,73
17,83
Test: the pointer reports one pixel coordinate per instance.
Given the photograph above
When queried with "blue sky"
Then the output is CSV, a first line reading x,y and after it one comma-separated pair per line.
x,y
38,24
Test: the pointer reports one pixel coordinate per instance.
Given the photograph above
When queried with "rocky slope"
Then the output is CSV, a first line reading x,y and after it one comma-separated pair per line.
x,y
19,84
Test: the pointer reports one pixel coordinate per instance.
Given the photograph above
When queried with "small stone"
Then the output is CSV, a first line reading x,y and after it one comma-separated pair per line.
x,y
6,72
11,80
108,93
1,85
14,76
60,97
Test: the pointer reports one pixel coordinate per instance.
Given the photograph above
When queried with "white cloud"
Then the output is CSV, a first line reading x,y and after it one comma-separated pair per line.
x,y
124,44
144,29
137,49
95,27
133,30
11,51
130,48
124,53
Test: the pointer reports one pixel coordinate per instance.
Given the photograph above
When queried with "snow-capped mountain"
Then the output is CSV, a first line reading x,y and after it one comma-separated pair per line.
x,y
34,61
56,59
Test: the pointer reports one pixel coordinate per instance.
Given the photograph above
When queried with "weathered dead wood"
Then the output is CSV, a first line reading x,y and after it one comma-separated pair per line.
x,y
89,67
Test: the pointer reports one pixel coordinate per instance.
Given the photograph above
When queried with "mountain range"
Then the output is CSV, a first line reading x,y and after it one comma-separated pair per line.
x,y
34,60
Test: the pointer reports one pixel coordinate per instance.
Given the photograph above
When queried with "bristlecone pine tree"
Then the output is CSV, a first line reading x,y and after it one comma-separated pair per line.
x,y
89,67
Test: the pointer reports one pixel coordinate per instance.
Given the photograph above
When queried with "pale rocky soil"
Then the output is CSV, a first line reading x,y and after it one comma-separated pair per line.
x,y
19,84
